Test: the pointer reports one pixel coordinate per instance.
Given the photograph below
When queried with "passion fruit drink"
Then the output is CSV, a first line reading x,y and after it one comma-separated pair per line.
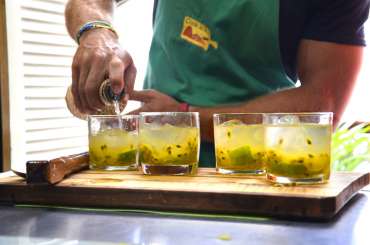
x,y
113,149
239,148
168,149
298,153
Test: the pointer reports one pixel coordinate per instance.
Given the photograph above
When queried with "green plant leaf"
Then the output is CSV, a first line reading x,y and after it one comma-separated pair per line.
x,y
347,140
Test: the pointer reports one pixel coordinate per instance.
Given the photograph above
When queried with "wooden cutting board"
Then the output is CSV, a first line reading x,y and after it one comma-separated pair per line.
x,y
207,192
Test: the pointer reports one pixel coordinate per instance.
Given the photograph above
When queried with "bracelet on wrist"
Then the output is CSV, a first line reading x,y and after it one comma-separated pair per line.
x,y
184,107
94,25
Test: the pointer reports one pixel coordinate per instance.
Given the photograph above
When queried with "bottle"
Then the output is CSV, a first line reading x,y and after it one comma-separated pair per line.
x,y
106,95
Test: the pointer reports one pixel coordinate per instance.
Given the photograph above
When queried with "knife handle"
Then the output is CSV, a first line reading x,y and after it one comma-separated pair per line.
x,y
57,169
61,167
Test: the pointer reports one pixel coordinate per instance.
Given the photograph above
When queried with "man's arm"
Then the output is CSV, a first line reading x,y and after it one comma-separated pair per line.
x,y
78,12
99,55
327,72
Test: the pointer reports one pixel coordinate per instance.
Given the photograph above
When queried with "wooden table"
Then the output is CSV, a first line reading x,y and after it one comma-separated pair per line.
x,y
207,192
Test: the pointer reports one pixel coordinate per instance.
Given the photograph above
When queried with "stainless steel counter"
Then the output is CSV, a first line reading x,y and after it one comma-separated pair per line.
x,y
59,226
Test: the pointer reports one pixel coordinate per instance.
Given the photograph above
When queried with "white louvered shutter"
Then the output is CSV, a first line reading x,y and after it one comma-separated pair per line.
x,y
40,57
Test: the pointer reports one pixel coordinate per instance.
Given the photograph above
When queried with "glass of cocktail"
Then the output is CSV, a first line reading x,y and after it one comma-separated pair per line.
x,y
298,147
239,143
169,142
113,142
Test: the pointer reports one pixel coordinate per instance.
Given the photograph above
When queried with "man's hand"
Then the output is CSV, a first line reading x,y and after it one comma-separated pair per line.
x,y
154,101
98,57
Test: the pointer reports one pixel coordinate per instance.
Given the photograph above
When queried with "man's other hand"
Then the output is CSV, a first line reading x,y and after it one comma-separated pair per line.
x,y
154,101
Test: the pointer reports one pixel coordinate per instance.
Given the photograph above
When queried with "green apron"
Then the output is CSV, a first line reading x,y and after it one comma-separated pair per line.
x,y
208,53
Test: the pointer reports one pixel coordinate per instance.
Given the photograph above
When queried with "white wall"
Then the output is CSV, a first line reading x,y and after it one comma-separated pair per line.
x,y
359,105
133,21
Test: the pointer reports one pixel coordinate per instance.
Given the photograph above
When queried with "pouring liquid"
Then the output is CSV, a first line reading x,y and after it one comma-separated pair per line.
x,y
117,110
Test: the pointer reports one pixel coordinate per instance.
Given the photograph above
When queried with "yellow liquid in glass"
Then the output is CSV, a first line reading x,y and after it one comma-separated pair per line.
x,y
300,151
169,145
239,147
113,148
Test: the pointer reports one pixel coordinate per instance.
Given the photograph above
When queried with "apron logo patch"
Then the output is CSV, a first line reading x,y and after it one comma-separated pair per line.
x,y
197,33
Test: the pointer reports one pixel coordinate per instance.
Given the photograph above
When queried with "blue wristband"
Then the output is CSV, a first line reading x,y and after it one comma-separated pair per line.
x,y
93,25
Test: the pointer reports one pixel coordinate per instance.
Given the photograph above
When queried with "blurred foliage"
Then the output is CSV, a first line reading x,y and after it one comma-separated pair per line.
x,y
351,146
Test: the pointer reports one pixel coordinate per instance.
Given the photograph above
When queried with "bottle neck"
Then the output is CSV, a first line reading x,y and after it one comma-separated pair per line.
x,y
107,95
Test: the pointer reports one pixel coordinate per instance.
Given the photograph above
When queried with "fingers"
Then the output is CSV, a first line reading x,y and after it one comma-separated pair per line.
x,y
121,71
116,70
153,100
142,95
84,72
75,78
130,75
93,82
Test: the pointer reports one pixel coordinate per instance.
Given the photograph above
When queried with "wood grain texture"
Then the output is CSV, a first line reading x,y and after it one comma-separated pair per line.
x,y
4,90
206,192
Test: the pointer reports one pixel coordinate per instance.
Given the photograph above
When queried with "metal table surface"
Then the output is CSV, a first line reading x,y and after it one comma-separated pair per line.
x,y
20,225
